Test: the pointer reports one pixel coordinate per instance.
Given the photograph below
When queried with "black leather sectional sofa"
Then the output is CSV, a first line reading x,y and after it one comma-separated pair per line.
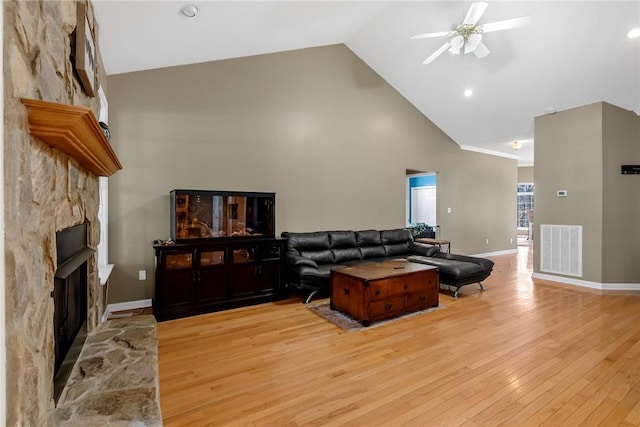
x,y
311,256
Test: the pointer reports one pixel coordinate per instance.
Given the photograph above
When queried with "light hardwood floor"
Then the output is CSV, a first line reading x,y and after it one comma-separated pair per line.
x,y
521,353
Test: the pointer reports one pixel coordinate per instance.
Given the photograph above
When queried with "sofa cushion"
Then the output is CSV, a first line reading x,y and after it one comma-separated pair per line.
x,y
324,271
315,240
486,264
320,257
457,269
344,246
372,252
347,254
396,242
313,245
369,243
424,250
342,239
368,238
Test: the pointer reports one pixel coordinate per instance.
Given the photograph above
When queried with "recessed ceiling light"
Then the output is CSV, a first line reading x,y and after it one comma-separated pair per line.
x,y
634,33
468,93
189,11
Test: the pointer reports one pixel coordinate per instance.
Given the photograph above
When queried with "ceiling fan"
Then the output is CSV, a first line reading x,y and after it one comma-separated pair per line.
x,y
469,33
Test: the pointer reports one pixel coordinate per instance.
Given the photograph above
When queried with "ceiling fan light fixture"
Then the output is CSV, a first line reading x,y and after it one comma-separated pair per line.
x,y
190,11
456,44
469,33
634,33
481,51
472,43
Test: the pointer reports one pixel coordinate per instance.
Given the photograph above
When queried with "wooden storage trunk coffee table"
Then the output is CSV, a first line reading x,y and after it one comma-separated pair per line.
x,y
377,291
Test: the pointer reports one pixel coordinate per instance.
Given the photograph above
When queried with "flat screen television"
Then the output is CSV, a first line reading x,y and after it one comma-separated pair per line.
x,y
200,214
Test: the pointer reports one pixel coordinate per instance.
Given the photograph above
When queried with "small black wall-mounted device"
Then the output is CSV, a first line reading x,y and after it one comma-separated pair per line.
x,y
630,169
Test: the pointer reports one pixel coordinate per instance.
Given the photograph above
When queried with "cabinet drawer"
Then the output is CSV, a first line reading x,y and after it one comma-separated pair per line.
x,y
421,299
386,308
419,282
386,288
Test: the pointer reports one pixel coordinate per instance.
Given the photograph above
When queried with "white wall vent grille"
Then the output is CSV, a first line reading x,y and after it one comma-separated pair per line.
x,y
561,249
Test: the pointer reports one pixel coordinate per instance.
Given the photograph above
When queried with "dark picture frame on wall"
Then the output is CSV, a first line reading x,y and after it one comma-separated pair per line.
x,y
85,58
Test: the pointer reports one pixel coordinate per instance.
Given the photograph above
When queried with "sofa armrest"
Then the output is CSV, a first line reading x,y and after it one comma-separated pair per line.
x,y
298,261
423,249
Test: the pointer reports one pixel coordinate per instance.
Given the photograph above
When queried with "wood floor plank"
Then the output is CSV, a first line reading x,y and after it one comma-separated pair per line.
x,y
523,352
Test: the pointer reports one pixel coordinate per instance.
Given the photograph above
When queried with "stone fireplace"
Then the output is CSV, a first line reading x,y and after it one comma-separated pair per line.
x,y
55,194
46,190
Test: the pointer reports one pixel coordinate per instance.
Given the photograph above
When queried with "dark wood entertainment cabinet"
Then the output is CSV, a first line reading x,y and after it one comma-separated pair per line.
x,y
202,277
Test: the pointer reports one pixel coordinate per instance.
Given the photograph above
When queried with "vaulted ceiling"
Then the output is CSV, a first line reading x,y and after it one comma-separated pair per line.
x,y
573,53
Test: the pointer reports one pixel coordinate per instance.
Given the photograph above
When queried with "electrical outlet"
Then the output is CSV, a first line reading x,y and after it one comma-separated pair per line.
x,y
486,241
449,210
511,240
142,274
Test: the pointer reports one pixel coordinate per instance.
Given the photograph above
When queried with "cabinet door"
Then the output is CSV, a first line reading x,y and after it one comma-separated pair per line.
x,y
211,274
268,258
243,270
174,281
268,276
269,251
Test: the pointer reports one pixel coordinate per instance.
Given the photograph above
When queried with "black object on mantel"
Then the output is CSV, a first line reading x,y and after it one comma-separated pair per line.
x,y
630,170
105,129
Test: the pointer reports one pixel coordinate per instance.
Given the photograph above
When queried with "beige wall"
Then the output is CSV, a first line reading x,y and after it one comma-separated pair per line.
x,y
316,126
581,150
621,196
525,174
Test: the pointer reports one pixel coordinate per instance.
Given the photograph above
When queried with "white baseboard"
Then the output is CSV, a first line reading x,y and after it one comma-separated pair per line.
x,y
490,254
128,305
588,284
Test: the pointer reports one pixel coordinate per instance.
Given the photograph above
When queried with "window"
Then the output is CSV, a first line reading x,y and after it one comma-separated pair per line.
x,y
525,204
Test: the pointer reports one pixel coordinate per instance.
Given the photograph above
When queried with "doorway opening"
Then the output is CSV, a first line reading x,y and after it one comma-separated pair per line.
x,y
422,201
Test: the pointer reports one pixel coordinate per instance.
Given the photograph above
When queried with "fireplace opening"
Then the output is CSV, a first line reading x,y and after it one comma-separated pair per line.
x,y
70,301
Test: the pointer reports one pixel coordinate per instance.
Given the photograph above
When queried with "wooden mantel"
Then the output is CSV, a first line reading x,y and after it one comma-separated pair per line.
x,y
75,131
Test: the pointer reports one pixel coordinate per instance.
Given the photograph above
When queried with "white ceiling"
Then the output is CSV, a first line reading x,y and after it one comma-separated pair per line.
x,y
573,53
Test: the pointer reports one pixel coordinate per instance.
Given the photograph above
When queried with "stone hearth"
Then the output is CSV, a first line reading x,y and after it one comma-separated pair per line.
x,y
115,380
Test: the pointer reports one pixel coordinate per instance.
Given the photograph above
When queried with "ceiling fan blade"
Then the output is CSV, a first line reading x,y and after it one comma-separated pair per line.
x,y
481,51
430,35
522,21
437,53
456,44
475,12
472,42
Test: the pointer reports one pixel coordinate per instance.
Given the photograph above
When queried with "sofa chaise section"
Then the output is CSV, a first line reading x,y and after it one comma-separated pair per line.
x,y
457,270
310,257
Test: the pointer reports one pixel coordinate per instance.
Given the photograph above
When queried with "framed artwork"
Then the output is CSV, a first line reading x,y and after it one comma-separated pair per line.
x,y
85,52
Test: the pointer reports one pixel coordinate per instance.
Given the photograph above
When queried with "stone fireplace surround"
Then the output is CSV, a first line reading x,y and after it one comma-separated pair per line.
x,y
46,190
